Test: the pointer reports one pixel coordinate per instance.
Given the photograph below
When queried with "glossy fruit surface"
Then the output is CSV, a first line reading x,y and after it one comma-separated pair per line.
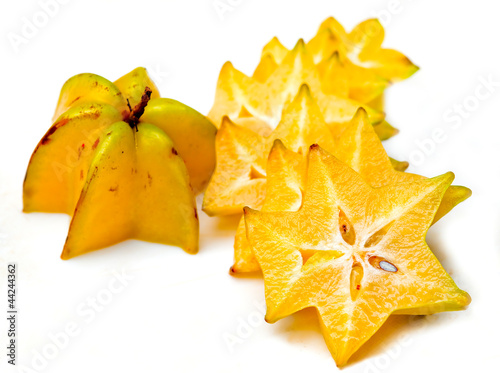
x,y
66,171
361,149
355,253
137,187
240,175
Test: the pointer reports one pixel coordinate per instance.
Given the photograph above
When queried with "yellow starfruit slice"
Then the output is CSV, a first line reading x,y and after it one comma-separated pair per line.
x,y
264,98
361,149
362,68
240,175
355,253
363,47
363,85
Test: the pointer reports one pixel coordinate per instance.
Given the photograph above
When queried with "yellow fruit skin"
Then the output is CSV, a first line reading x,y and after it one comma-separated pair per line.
x,y
165,208
118,183
58,167
385,131
192,134
363,46
132,86
89,88
453,196
137,187
104,213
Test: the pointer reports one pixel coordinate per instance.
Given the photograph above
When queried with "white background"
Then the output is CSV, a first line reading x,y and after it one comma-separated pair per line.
x,y
176,312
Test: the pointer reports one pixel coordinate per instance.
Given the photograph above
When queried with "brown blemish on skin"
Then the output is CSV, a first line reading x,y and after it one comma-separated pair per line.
x,y
75,100
113,189
85,189
195,214
114,168
83,115
81,174
174,151
313,146
150,179
46,138
109,133
96,143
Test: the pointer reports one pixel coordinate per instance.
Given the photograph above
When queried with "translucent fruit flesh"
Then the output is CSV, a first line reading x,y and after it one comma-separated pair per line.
x,y
355,253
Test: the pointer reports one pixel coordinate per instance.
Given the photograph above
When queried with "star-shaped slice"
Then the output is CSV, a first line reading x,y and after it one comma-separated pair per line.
x,y
361,149
355,253
239,178
363,47
364,69
338,75
240,96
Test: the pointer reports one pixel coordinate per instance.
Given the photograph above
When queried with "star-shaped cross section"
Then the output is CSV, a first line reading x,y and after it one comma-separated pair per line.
x,y
361,149
355,253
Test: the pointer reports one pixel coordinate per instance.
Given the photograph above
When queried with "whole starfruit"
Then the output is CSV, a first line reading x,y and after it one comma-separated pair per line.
x,y
123,162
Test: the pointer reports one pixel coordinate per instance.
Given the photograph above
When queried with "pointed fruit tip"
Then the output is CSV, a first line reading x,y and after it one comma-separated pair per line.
x,y
226,123
300,46
277,148
445,179
467,299
467,192
227,68
277,143
361,112
304,93
335,56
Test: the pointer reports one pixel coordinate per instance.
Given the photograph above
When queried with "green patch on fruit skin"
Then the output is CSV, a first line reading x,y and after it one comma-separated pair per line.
x,y
454,195
385,131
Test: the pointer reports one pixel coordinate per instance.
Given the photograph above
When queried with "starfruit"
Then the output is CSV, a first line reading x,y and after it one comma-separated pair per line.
x,y
352,65
123,162
359,147
239,178
241,97
354,252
